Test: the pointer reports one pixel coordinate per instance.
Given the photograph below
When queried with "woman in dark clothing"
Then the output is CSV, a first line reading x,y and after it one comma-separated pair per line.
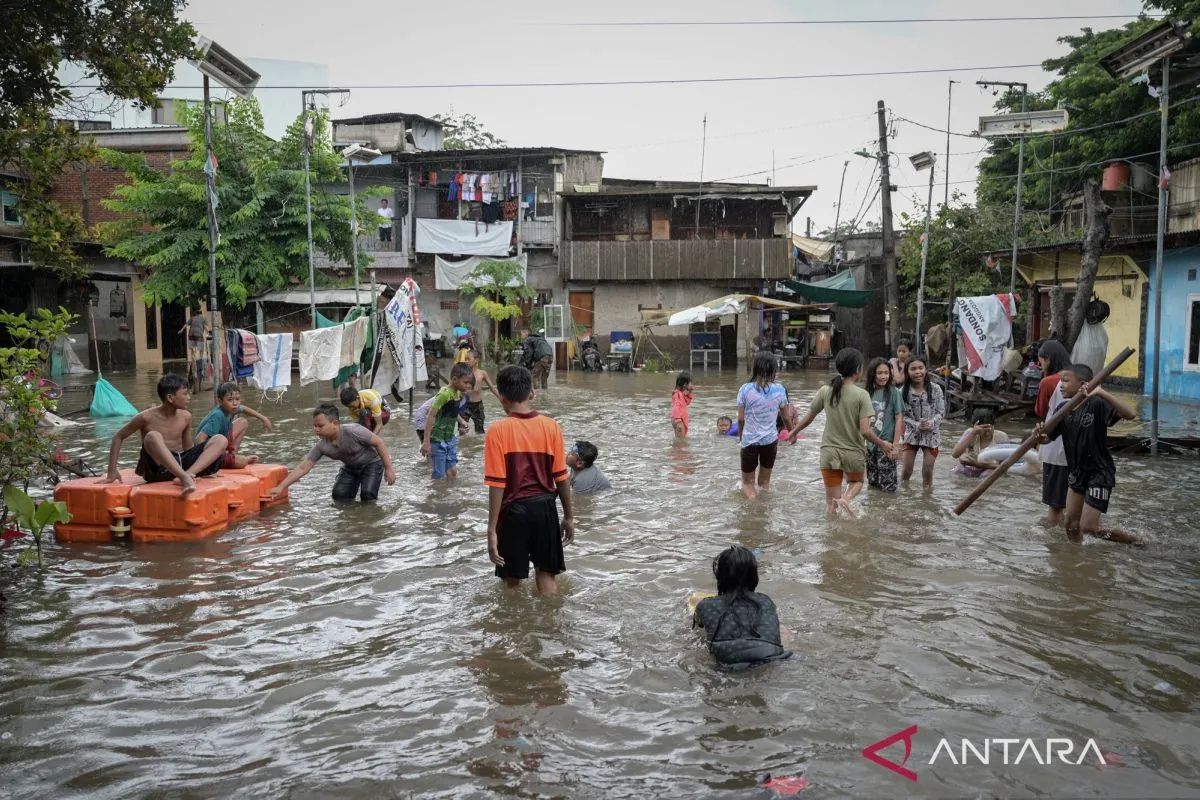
x,y
742,626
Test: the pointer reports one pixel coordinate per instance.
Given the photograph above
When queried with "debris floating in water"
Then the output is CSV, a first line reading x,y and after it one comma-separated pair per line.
x,y
785,786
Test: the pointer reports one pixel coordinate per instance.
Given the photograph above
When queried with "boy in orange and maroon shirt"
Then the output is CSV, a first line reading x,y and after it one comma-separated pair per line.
x,y
524,469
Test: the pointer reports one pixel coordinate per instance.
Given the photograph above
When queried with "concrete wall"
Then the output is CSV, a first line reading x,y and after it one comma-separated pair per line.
x,y
1124,296
616,308
146,319
1181,287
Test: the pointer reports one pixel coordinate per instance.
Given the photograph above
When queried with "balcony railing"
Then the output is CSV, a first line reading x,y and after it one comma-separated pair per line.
x,y
706,259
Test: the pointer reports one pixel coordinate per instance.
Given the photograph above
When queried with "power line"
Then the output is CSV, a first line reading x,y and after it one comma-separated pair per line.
x,y
901,20
641,82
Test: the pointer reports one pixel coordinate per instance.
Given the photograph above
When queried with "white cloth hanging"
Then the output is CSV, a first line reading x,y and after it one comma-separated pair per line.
x,y
320,354
464,237
273,370
450,275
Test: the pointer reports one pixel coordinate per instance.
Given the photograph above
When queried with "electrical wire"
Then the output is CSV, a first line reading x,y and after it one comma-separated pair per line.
x,y
632,82
901,20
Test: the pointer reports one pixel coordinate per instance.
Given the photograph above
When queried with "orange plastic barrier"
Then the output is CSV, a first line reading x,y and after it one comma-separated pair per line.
x,y
91,504
158,512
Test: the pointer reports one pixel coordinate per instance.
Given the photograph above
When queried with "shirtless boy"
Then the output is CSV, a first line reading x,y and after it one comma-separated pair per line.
x,y
475,394
167,448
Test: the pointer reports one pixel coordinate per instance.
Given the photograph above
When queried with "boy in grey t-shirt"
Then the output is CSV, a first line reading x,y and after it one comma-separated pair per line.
x,y
586,477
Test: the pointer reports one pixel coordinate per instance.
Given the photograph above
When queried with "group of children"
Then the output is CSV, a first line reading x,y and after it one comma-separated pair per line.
x,y
879,418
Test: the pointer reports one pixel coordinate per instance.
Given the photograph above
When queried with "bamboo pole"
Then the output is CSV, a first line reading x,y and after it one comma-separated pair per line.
x,y
1050,425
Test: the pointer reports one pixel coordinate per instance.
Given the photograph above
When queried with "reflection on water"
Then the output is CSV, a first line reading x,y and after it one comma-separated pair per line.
x,y
368,650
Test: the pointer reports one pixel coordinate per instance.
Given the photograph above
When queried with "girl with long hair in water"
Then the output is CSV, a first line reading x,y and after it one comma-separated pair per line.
x,y
924,407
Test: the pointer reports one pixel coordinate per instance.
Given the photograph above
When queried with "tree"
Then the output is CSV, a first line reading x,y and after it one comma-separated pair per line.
x,y
129,47
466,132
261,213
1095,235
1058,164
498,288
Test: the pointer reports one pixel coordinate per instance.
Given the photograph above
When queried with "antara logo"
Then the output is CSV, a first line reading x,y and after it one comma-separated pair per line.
x,y
1011,752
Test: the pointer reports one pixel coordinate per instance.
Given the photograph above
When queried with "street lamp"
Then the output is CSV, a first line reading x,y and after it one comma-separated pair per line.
x,y
309,137
236,75
920,162
360,154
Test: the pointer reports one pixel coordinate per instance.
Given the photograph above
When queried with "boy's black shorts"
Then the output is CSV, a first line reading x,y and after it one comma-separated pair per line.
x,y
153,472
1094,486
1054,485
529,531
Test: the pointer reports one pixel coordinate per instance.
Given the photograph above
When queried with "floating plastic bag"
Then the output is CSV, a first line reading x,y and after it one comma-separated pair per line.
x,y
108,402
1091,347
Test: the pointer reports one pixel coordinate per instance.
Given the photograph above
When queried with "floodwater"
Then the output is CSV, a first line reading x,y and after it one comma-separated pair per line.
x,y
369,652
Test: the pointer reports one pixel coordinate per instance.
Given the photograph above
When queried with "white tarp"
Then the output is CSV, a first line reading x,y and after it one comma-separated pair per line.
x,y
986,327
399,348
464,237
450,275
722,306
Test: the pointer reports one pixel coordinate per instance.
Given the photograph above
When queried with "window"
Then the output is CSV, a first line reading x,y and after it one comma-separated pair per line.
x,y
12,216
1193,333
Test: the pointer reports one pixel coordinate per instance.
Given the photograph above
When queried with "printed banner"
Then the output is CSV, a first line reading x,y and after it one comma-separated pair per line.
x,y
985,325
399,348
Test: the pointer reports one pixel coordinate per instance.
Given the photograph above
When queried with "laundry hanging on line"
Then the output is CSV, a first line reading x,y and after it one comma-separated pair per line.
x,y
273,370
324,351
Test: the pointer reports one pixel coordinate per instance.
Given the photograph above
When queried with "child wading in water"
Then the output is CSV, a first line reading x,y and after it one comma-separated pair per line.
x,y
759,405
681,398
888,424
924,407
525,470
1053,358
848,414
1091,473
741,625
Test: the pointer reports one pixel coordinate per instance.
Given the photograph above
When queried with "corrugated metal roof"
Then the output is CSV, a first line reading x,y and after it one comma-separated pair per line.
x,y
383,119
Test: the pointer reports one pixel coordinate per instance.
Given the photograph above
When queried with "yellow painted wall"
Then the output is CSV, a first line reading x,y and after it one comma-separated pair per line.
x,y
1125,313
144,356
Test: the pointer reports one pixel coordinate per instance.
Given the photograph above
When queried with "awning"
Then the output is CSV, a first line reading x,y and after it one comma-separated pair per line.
x,y
324,297
724,306
839,288
813,248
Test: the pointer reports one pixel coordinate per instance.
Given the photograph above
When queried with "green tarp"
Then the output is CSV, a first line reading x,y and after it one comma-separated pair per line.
x,y
839,288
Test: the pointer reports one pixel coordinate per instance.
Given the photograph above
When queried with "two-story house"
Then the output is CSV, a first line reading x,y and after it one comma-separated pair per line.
x,y
630,246
452,208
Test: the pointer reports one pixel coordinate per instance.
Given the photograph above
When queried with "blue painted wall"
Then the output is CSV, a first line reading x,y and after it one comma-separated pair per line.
x,y
1174,380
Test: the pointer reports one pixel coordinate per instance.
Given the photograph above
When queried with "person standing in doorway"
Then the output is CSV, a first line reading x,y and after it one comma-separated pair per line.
x,y
386,215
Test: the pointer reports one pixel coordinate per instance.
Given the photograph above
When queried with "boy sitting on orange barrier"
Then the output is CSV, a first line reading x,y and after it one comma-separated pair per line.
x,y
168,451
224,420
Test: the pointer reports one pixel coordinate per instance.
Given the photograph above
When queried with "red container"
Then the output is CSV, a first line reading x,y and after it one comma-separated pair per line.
x,y
1116,176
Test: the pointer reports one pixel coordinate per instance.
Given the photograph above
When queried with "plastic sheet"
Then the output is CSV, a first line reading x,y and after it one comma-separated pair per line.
x,y
108,402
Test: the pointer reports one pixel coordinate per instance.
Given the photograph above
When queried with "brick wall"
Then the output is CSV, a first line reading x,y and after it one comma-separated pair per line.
x,y
85,189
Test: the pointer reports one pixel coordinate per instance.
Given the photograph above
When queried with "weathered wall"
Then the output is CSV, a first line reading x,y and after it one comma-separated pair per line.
x,y
1181,287
616,308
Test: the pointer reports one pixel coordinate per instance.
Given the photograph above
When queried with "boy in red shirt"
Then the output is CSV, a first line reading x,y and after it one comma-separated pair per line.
x,y
524,469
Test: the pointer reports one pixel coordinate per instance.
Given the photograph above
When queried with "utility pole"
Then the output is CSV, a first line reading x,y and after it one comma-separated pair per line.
x,y
837,216
946,166
700,188
210,185
1012,275
889,249
1164,105
308,142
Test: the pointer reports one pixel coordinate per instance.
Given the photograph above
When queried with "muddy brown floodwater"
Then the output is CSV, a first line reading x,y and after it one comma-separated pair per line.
x,y
369,652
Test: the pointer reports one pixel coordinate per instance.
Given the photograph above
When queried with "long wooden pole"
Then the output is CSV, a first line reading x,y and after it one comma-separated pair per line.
x,y
1050,425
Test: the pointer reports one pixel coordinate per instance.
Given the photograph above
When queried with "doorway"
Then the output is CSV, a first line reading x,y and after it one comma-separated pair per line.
x,y
174,343
583,310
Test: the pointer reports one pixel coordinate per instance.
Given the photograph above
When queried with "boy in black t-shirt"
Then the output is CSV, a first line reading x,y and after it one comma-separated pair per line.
x,y
1091,474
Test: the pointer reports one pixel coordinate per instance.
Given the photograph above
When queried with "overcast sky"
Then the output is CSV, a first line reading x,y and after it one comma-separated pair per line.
x,y
807,127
